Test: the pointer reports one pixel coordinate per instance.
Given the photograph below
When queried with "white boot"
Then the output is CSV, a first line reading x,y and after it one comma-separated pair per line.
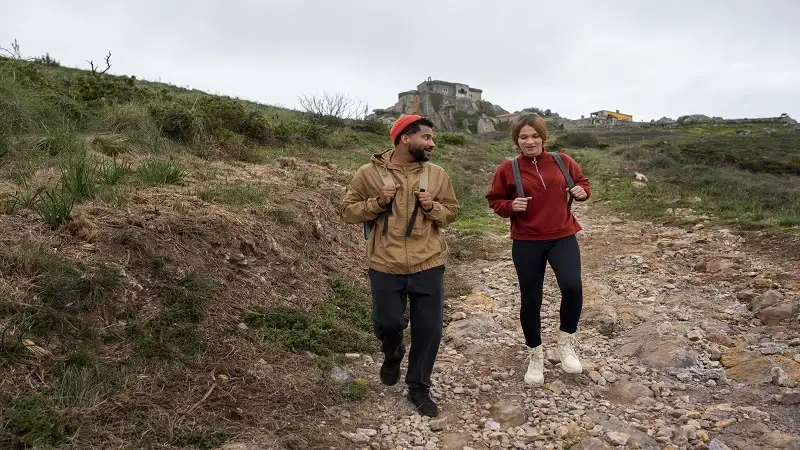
x,y
535,373
566,352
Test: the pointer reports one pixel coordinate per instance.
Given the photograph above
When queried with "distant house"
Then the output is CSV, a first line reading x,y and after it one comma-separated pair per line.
x,y
611,115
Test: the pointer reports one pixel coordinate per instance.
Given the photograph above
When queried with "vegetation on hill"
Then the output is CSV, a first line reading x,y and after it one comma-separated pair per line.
x,y
744,175
173,270
172,254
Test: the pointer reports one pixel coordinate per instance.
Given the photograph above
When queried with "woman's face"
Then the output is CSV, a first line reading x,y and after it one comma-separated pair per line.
x,y
529,141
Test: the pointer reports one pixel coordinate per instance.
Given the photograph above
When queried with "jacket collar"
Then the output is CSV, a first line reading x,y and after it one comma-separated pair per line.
x,y
539,158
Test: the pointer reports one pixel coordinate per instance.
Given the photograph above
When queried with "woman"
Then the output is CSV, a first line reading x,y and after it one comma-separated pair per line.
x,y
543,230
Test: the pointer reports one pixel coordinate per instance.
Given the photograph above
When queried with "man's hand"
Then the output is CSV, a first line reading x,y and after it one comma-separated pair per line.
x,y
426,200
520,204
387,195
578,192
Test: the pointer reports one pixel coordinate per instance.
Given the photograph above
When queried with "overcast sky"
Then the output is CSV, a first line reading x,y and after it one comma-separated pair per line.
x,y
729,58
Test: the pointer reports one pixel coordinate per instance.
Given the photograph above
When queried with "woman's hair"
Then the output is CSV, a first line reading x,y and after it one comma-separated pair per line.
x,y
533,120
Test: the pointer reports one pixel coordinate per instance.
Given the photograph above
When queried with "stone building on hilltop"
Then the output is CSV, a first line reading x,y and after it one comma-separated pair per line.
x,y
449,105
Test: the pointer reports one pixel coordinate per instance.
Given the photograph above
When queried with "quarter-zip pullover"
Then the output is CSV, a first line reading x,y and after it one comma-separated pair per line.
x,y
547,216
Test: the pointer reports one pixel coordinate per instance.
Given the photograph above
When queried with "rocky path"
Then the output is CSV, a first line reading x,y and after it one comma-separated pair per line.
x,y
689,340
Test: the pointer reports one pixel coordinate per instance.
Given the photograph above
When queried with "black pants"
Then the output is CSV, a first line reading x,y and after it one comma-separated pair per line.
x,y
530,259
425,290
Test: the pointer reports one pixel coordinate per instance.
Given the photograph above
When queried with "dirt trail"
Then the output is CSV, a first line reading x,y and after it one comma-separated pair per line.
x,y
689,340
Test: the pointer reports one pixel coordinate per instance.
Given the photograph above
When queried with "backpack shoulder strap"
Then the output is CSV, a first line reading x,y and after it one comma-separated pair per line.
x,y
386,178
423,178
565,172
423,186
517,177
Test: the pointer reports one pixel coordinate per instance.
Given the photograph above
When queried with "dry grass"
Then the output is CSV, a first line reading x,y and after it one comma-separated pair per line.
x,y
165,363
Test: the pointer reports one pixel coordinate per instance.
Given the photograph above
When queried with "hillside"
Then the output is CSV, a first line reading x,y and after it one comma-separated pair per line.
x,y
173,273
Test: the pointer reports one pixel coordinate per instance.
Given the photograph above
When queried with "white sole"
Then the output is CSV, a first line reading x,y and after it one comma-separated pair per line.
x,y
533,383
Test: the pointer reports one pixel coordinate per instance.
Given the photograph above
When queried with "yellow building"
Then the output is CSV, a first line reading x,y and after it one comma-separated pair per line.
x,y
605,114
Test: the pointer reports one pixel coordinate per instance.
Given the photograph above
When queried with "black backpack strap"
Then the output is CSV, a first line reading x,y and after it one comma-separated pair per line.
x,y
517,177
570,183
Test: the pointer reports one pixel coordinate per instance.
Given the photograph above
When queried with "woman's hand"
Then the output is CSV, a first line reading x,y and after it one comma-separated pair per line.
x,y
578,192
520,204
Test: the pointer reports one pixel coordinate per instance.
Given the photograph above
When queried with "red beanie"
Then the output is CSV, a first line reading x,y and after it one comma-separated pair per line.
x,y
400,124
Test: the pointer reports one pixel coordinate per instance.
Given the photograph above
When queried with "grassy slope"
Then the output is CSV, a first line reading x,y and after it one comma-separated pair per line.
x,y
129,207
748,182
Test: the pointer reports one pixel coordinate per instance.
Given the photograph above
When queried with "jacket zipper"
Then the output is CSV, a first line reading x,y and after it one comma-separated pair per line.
x,y
408,201
536,164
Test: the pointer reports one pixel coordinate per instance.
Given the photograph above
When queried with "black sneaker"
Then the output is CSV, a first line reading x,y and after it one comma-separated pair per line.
x,y
390,371
421,398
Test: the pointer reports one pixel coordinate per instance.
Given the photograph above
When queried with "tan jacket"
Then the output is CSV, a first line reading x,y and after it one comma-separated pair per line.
x,y
391,252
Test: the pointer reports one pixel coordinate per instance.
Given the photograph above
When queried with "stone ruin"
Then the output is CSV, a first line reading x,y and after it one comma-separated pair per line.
x,y
450,106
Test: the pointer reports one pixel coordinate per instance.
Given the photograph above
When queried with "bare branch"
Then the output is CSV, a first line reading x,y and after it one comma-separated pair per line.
x,y
13,52
333,105
95,69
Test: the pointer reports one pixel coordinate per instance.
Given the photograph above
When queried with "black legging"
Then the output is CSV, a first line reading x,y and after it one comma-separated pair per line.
x,y
530,259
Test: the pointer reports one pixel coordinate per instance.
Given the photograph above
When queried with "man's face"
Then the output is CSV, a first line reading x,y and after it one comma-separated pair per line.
x,y
420,144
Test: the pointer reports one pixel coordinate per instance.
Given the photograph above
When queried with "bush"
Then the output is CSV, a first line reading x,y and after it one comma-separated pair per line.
x,y
228,114
450,139
93,89
556,146
344,139
328,121
581,139
132,119
176,122
301,131
47,60
466,121
371,126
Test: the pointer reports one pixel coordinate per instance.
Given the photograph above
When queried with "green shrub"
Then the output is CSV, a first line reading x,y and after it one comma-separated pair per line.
x,y
176,121
301,132
556,145
298,330
339,325
450,139
228,114
344,139
325,120
580,139
104,89
130,119
371,126
467,121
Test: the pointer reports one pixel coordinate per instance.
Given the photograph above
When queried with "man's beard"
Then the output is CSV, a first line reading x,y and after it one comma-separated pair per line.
x,y
419,154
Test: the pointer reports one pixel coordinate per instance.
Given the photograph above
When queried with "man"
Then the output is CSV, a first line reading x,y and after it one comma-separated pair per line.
x,y
406,250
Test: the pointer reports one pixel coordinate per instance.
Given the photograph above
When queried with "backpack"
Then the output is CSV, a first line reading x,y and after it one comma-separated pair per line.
x,y
387,179
559,161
